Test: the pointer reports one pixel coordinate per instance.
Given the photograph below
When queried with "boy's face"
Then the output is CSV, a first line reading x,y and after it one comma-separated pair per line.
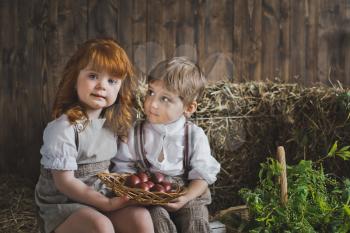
x,y
162,106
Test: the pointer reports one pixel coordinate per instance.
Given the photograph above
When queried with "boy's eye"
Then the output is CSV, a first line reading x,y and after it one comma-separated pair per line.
x,y
165,99
150,93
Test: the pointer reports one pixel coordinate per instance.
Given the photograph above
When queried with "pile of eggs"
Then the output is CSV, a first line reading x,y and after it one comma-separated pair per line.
x,y
154,183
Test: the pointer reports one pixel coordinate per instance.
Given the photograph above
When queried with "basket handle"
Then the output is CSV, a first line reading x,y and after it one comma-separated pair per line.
x,y
281,157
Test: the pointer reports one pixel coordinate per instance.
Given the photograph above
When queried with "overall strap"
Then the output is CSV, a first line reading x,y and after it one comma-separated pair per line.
x,y
139,148
76,135
141,154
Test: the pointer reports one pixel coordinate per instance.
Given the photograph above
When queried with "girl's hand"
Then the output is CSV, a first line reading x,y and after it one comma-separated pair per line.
x,y
177,204
116,203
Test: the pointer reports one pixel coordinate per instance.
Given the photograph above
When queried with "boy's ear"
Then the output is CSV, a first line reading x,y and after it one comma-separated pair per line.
x,y
190,109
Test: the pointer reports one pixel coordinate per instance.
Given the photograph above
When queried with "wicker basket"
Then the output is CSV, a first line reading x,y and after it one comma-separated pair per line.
x,y
116,183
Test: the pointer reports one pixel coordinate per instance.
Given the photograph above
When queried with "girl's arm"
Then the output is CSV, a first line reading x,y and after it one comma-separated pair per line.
x,y
194,190
124,161
77,190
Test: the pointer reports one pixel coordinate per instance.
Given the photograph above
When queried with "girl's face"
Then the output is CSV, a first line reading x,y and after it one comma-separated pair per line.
x,y
162,106
97,90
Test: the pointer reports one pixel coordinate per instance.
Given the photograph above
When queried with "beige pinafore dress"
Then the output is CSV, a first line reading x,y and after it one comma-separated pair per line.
x,y
95,145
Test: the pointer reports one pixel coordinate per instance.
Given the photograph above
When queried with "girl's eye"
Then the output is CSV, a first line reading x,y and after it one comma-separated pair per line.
x,y
150,93
113,81
92,76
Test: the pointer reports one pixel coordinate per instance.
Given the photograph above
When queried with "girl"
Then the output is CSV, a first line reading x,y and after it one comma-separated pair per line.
x,y
93,105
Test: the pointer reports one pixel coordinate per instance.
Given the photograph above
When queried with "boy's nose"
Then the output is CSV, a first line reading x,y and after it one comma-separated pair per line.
x,y
154,103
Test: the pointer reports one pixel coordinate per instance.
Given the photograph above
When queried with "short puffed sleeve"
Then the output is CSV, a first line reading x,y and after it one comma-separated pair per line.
x,y
59,151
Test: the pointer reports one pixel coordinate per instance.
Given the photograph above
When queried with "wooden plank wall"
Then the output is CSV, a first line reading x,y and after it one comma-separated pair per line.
x,y
304,41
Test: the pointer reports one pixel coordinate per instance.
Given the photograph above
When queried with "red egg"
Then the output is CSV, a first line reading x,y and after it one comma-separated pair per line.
x,y
150,184
143,176
143,186
157,177
166,185
158,188
132,181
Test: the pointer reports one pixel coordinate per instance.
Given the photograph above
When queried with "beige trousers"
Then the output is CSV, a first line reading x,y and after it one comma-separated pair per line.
x,y
192,218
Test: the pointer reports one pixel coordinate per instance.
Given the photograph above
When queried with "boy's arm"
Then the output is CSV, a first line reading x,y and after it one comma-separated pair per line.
x,y
194,190
202,164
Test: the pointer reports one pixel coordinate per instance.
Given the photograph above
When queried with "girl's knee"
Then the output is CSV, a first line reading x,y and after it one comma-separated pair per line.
x,y
102,224
143,215
142,220
86,220
141,212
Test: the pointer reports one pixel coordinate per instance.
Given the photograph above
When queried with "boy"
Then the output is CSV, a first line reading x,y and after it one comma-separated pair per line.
x,y
171,145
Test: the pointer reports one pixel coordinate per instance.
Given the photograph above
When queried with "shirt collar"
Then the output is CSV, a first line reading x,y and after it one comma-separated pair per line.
x,y
169,128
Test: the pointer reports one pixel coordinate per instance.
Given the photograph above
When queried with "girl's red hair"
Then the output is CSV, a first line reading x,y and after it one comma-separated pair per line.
x,y
101,55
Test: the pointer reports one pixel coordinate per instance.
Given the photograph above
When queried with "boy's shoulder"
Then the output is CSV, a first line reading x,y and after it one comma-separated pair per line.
x,y
195,129
193,125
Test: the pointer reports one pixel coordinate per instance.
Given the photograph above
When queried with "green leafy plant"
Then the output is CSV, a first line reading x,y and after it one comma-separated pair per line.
x,y
317,202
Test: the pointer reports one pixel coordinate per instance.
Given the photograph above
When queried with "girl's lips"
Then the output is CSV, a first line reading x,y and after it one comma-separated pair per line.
x,y
98,96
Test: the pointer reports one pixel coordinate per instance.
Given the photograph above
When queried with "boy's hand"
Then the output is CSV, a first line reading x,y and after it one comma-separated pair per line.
x,y
194,190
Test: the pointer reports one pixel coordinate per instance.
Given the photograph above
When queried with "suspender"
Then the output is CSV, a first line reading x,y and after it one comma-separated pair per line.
x,y
76,134
141,153
186,161
141,141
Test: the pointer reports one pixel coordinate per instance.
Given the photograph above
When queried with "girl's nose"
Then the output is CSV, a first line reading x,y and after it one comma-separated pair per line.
x,y
102,84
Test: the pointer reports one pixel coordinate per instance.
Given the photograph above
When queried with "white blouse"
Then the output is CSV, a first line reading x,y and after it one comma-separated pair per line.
x,y
168,139
59,150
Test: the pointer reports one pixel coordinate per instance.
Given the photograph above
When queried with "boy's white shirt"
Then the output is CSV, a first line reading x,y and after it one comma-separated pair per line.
x,y
169,140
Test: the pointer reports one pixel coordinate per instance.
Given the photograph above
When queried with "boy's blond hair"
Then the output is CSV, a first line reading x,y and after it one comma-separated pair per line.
x,y
181,76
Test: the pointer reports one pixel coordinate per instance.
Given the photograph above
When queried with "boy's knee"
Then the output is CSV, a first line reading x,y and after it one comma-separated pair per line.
x,y
158,212
196,225
194,219
161,220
